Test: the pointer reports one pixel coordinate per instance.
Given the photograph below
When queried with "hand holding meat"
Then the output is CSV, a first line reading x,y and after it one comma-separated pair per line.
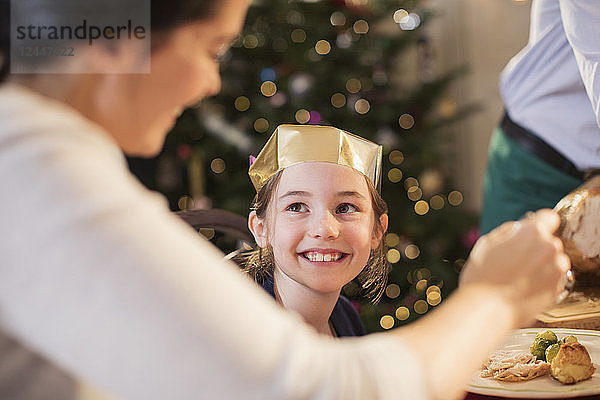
x,y
580,227
521,261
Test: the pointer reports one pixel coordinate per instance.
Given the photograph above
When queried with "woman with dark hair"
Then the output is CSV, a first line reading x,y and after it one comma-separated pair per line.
x,y
104,291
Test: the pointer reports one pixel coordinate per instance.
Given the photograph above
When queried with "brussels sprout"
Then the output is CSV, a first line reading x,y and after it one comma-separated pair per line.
x,y
548,335
552,351
539,346
569,339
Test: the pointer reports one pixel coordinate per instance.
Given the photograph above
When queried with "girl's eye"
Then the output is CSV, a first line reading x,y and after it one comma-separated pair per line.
x,y
296,207
346,208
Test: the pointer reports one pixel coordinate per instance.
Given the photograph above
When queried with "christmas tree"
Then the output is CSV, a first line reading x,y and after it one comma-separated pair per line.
x,y
336,62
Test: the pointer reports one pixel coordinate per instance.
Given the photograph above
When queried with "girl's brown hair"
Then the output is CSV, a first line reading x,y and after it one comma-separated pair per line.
x,y
258,262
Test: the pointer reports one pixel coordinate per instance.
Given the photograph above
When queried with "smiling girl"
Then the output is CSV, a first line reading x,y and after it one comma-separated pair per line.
x,y
318,221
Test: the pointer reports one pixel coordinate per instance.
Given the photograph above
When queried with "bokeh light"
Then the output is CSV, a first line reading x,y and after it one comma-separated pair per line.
x,y
396,157
421,307
437,202
242,103
353,85
361,27
362,106
455,198
315,118
414,193
399,15
387,322
261,125
302,116
402,313
185,202
412,251
421,207
208,233
410,22
392,240
392,291
217,165
406,121
250,41
338,100
268,88
337,18
395,175
322,47
393,256
298,35
434,298
410,182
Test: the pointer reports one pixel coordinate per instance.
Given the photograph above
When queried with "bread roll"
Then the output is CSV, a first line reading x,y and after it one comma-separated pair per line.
x,y
572,364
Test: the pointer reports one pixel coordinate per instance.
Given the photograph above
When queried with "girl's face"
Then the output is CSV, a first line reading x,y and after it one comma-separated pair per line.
x,y
320,224
141,109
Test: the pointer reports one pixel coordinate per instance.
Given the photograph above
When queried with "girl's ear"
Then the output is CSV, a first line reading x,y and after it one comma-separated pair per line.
x,y
258,229
380,231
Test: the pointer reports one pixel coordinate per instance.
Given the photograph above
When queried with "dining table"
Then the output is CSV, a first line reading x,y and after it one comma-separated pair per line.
x,y
473,396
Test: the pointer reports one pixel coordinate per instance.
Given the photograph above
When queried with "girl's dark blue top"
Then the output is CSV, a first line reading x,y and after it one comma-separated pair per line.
x,y
344,318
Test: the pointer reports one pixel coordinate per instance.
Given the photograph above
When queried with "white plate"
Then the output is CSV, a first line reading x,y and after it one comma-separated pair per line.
x,y
544,387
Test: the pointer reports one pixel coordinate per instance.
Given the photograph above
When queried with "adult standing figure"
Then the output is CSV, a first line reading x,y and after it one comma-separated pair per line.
x,y
550,135
104,292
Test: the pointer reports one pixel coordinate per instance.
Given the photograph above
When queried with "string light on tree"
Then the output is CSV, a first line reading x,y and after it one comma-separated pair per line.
x,y
362,106
337,18
322,47
298,35
406,121
361,27
437,202
412,251
387,322
353,85
302,116
261,125
396,157
268,88
338,100
455,198
395,175
392,240
392,291
242,103
402,313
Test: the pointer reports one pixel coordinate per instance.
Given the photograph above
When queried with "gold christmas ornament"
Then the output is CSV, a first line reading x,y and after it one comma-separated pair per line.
x,y
294,144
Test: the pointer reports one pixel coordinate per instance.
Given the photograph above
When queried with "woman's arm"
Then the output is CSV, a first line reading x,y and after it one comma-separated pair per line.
x,y
98,277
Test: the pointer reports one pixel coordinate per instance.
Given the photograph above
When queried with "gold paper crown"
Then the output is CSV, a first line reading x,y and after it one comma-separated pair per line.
x,y
294,144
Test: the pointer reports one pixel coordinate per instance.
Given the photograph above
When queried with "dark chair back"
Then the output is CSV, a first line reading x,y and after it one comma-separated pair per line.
x,y
230,224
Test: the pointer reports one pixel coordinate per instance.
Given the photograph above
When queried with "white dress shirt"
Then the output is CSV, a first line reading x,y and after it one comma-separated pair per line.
x,y
552,86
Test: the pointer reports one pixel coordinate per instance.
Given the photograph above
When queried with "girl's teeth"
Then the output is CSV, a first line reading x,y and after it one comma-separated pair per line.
x,y
319,257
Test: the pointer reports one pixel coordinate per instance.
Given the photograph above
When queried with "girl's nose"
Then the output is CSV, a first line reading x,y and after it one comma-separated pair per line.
x,y
324,226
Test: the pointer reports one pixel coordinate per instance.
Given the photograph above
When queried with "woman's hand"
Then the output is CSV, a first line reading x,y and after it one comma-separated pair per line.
x,y
522,262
